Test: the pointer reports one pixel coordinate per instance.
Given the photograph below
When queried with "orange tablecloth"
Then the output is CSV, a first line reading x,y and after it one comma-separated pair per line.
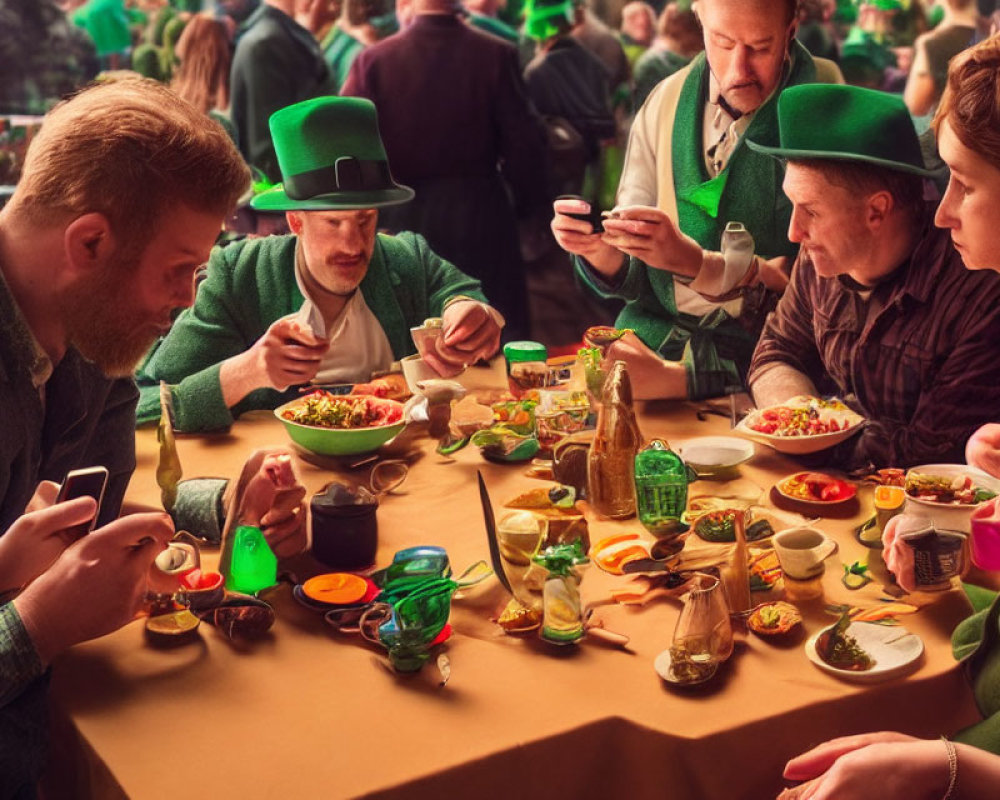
x,y
311,713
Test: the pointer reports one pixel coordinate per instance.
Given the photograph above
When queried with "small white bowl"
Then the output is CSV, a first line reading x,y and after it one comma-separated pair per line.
x,y
715,456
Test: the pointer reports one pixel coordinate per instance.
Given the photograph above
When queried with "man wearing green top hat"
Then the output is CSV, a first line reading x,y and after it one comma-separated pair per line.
x,y
695,299
880,310
331,303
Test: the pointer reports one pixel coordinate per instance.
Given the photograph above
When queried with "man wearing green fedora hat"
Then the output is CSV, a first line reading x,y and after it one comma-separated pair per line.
x,y
331,303
880,309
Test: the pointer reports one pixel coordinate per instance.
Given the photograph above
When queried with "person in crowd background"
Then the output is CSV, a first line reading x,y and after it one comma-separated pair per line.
x,y
43,56
484,15
637,29
932,52
568,81
277,62
678,40
458,128
204,53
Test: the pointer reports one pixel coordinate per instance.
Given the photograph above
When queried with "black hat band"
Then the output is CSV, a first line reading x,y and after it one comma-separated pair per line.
x,y
347,174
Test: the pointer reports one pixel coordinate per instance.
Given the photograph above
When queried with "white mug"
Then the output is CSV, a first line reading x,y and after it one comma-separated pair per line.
x,y
801,551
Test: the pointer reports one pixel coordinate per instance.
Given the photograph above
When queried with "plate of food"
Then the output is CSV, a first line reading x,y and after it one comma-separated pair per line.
x,y
720,525
341,425
815,489
773,619
715,456
950,485
864,652
801,425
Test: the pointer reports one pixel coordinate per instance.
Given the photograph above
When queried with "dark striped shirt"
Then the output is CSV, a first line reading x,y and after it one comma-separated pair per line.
x,y
924,368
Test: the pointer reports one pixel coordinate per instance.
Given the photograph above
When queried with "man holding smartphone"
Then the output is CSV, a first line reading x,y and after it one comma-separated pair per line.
x,y
696,304
122,195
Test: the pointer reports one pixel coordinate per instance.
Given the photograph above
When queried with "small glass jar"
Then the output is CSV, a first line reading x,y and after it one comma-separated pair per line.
x,y
526,367
661,487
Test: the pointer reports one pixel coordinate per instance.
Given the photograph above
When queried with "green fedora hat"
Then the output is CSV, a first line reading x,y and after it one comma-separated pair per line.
x,y
846,123
331,158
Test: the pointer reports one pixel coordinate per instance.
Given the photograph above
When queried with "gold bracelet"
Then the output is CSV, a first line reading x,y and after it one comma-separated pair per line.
x,y
952,769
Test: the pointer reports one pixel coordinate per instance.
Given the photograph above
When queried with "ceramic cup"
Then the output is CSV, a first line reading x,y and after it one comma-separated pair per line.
x,y
801,551
986,536
415,370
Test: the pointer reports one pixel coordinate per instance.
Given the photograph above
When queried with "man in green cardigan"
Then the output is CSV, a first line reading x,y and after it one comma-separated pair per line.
x,y
331,303
696,296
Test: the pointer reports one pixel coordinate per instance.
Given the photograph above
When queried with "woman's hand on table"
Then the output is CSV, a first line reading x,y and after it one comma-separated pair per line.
x,y
37,538
870,766
898,556
652,377
96,586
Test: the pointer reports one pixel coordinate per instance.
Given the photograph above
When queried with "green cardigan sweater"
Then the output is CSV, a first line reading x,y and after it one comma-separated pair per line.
x,y
250,284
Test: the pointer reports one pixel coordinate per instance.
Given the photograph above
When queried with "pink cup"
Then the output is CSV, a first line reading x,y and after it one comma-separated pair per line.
x,y
985,526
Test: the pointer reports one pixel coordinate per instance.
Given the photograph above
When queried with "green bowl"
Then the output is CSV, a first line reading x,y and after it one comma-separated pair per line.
x,y
338,441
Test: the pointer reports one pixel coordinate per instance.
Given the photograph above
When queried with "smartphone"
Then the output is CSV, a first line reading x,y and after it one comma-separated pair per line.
x,y
593,216
90,482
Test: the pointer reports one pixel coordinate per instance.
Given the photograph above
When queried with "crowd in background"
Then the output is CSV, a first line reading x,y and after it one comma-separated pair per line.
x,y
583,69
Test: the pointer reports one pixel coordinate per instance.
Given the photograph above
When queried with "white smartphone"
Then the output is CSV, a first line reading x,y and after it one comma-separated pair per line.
x,y
89,482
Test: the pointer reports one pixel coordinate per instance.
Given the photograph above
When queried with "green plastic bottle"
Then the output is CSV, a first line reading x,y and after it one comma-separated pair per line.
x,y
661,487
248,562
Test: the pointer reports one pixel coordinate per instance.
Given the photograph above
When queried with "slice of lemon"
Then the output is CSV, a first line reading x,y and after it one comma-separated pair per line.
x,y
176,623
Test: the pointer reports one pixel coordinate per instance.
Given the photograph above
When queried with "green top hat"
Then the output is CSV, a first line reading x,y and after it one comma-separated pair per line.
x,y
846,123
331,158
544,19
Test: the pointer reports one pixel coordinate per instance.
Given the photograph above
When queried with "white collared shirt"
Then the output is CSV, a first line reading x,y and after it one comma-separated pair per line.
x,y
358,344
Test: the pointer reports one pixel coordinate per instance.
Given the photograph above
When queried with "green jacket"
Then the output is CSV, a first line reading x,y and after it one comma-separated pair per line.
x,y
250,284
975,641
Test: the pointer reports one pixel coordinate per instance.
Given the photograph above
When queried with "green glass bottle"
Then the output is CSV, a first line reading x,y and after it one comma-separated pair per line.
x,y
661,481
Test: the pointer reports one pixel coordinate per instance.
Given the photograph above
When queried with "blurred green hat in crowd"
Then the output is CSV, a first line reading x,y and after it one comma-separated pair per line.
x,y
544,19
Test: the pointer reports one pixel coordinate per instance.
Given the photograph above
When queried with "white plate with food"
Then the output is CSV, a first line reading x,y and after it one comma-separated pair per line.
x,y
715,456
801,425
947,493
865,652
950,486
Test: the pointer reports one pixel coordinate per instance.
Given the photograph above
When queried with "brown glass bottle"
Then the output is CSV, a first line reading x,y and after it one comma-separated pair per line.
x,y
610,466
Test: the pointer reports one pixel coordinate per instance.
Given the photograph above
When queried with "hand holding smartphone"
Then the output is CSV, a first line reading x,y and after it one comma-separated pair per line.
x,y
89,482
593,216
